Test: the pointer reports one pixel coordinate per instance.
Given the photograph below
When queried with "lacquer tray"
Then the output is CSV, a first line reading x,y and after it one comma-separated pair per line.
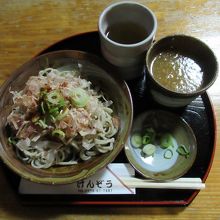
x,y
199,114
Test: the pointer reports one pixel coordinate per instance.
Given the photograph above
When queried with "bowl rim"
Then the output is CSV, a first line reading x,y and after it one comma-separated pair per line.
x,y
98,61
129,152
131,3
173,93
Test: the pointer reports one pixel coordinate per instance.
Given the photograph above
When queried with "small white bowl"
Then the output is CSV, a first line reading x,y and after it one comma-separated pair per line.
x,y
156,166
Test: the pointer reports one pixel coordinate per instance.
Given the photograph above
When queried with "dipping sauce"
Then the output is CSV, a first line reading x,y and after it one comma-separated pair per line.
x,y
177,72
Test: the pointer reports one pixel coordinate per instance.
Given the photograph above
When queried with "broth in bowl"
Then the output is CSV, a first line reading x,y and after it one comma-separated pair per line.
x,y
177,72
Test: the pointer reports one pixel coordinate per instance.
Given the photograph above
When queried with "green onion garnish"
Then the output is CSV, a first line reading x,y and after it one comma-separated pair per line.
x,y
52,118
136,140
51,105
41,123
54,111
79,98
149,150
62,114
42,107
168,154
166,140
149,136
59,133
62,103
183,151
146,139
11,140
54,97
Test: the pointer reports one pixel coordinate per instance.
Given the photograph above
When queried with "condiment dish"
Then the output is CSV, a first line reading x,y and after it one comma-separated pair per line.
x,y
162,146
189,64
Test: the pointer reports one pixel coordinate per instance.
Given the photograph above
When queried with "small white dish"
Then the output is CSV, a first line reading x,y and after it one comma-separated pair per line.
x,y
160,166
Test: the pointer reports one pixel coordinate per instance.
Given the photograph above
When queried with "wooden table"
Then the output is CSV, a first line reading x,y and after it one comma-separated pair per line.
x,y
28,26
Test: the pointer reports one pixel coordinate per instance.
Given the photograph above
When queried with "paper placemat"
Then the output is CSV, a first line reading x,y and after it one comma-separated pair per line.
x,y
107,181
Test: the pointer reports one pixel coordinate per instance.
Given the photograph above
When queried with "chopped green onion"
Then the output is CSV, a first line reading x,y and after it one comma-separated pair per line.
x,y
136,140
61,103
47,106
149,149
168,154
59,133
52,118
149,136
11,140
166,140
62,114
146,139
183,151
79,98
52,103
54,111
42,107
41,123
54,97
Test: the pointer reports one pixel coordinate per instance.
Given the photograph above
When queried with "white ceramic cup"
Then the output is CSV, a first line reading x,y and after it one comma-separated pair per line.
x,y
134,27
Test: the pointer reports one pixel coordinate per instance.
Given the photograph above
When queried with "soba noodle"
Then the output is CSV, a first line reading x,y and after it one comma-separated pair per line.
x,y
60,119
